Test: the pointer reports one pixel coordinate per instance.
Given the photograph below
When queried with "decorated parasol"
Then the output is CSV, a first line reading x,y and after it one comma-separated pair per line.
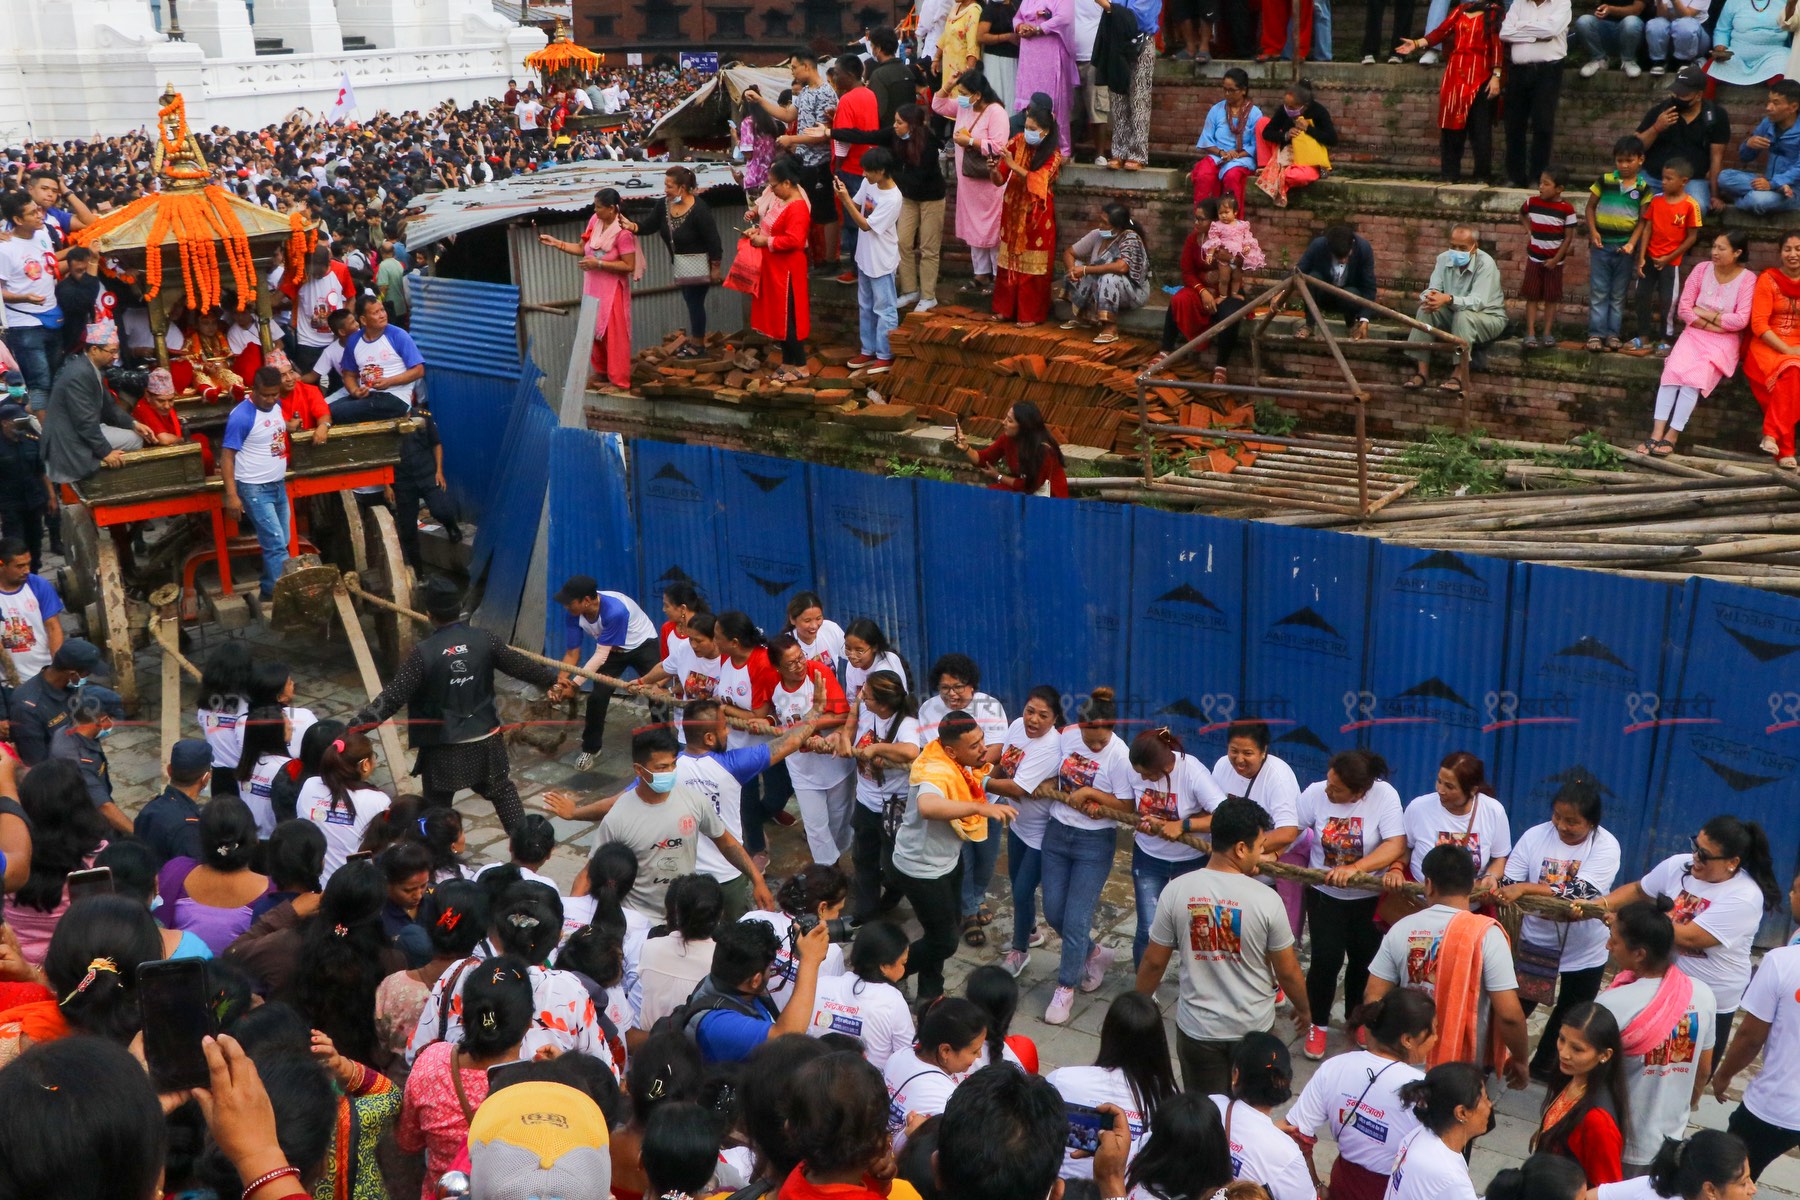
x,y
217,237
561,54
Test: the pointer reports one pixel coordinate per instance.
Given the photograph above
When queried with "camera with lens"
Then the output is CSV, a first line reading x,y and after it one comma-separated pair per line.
x,y
837,929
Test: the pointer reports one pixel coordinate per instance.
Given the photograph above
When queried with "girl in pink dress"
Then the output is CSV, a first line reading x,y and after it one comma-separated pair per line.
x,y
1715,307
1231,233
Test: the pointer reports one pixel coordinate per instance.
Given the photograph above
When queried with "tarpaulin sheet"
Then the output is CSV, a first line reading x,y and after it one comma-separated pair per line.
x,y
1187,626
972,606
868,556
1306,602
1439,627
590,523
681,521
763,557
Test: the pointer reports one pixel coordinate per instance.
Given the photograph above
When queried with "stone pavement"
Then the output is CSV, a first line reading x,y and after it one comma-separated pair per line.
x,y
326,681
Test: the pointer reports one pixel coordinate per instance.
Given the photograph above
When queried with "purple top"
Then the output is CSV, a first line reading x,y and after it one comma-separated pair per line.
x,y
217,927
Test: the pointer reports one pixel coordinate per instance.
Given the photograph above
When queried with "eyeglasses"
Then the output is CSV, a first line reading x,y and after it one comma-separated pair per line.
x,y
1701,855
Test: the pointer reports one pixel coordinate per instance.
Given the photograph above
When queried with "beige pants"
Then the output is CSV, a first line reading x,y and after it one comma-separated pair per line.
x,y
921,221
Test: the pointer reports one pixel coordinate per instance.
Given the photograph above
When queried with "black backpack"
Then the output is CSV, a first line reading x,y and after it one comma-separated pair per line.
x,y
706,998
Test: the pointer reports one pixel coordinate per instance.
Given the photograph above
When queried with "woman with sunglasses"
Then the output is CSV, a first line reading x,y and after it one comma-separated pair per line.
x,y
1720,892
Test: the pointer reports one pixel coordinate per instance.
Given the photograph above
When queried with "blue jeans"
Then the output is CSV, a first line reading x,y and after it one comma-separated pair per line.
x,y
1076,864
875,307
1024,869
1605,39
1321,42
760,800
978,862
1149,876
1687,36
266,508
1609,274
848,238
1701,191
36,349
1734,185
376,406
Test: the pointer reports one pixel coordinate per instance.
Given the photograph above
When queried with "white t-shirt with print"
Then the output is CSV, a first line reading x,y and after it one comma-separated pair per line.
x,y
343,825
1584,869
1774,996
1029,762
1429,825
1659,1083
1187,791
704,774
23,631
1429,1170
1275,788
988,712
259,794
1092,1087
319,298
1107,770
28,268
1730,911
259,440
382,355
812,771
787,967
1343,834
855,676
827,646
913,1087
1262,1152
874,1013
878,246
1626,1189
873,791
1357,1096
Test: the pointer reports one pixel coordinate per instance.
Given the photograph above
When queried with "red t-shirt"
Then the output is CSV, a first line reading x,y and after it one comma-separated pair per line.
x,y
856,110
306,404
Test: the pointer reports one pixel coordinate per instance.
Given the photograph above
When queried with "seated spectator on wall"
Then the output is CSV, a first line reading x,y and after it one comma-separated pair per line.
x,y
1750,46
1298,137
1108,273
1465,298
1227,142
1678,30
1343,258
1688,126
1201,300
1612,30
1775,141
1715,308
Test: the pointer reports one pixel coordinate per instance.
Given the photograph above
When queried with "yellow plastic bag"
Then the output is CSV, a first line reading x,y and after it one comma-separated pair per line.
x,y
1308,152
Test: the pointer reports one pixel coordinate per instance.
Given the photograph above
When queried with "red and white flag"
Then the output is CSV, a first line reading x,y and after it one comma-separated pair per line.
x,y
345,104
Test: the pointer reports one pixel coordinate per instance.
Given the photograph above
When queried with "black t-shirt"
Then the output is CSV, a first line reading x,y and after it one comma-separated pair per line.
x,y
1692,140
999,19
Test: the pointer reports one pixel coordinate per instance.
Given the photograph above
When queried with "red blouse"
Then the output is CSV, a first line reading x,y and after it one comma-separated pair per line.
x,y
1051,470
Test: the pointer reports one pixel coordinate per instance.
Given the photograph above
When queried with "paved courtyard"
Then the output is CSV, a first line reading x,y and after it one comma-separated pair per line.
x,y
327,682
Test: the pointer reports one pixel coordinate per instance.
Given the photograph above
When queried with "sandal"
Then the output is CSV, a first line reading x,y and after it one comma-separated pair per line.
x,y
1664,448
1075,324
1595,345
983,914
972,933
1106,339
1452,385
1416,382
1647,446
1613,345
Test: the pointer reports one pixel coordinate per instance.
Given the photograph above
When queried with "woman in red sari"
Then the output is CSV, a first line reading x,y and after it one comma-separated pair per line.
x,y
782,307
1470,93
1028,222
609,261
1772,355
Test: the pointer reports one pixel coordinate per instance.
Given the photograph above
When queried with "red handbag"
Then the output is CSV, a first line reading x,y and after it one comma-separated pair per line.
x,y
746,269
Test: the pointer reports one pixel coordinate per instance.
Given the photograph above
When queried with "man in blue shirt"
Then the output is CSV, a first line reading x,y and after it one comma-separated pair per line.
x,y
1770,190
624,639
380,368
170,823
730,1013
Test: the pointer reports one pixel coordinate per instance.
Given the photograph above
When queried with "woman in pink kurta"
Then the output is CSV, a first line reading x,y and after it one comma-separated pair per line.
x,y
609,260
1715,308
1046,30
981,128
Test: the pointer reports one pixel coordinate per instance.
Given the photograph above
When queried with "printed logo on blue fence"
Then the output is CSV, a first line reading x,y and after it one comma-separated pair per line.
x,y
1303,750
1742,767
765,483
1507,709
674,575
771,575
1442,573
1189,607
1588,660
1305,630
870,526
1766,635
669,483
1428,702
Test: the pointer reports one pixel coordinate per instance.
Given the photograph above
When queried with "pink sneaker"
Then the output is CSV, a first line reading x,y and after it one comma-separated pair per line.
x,y
1093,974
1014,962
1062,1002
1315,1043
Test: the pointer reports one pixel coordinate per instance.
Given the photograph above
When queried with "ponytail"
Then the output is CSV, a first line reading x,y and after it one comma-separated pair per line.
x,y
1540,1177
340,767
1445,1088
1155,750
1746,842
1359,769
1710,1156
1400,1013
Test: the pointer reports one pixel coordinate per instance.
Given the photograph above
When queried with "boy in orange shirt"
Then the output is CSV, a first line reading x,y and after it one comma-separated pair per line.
x,y
1670,226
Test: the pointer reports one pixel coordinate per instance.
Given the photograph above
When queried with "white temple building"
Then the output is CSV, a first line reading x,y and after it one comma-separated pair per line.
x,y
93,68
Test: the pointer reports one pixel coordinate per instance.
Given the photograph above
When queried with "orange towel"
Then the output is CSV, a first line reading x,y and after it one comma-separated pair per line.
x,y
1459,995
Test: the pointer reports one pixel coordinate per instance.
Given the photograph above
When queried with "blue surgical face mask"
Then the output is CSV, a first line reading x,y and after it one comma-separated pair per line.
x,y
662,782
100,735
79,681
15,393
905,137
1459,258
965,101
1033,136
1106,233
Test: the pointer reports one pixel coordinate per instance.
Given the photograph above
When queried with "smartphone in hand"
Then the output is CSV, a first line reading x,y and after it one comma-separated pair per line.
x,y
1085,1126
172,1001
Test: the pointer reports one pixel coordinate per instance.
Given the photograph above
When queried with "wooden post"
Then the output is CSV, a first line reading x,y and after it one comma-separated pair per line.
x,y
365,665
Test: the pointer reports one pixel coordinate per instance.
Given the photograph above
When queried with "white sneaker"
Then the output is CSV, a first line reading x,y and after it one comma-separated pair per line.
x,y
585,761
1094,973
1632,70
1368,60
1592,67
1014,962
926,305
909,298
1658,69
1062,1003
1428,59
1100,160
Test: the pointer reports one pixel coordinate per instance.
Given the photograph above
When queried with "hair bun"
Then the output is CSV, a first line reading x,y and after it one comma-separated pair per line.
x,y
1103,694
1664,904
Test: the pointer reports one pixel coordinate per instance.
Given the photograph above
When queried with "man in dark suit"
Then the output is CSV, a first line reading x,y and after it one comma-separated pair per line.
x,y
1343,257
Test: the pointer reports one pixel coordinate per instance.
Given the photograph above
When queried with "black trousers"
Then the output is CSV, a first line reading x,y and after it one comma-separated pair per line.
x,y
1655,292
1766,1142
26,524
1373,43
1478,134
1225,345
409,496
938,905
1239,19
1205,1065
1574,987
1343,936
694,296
1532,93
762,798
871,862
481,766
641,658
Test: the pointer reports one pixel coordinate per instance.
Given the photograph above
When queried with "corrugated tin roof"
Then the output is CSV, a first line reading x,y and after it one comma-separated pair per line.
x,y
540,13
567,188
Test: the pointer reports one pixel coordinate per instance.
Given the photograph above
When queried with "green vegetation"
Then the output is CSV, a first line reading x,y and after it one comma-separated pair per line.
x,y
1453,464
917,469
1272,419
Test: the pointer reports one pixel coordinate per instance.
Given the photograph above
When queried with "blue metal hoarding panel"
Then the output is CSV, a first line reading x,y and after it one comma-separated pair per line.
x,y
1438,624
867,555
590,522
765,556
1585,663
1307,594
467,333
680,521
508,535
1733,722
975,609
1077,588
1187,626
